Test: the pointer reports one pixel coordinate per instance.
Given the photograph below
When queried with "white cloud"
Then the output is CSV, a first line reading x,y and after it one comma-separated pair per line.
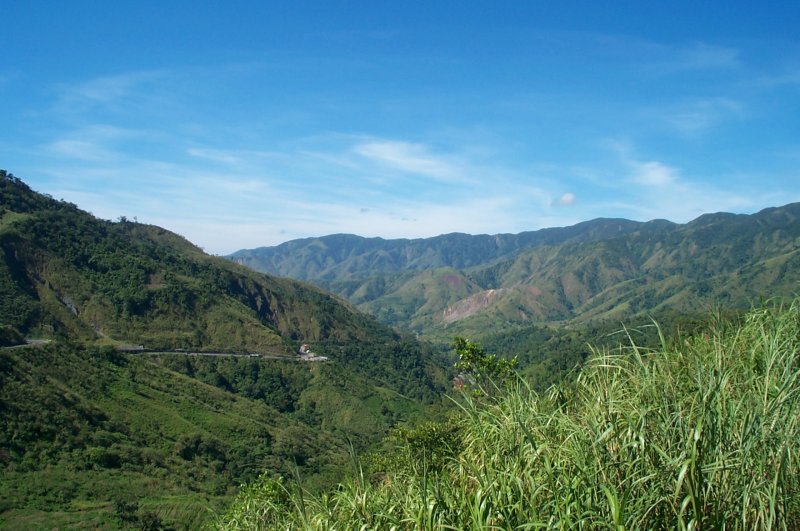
x,y
215,155
653,173
309,188
790,75
665,192
566,200
92,143
410,158
80,149
110,92
704,56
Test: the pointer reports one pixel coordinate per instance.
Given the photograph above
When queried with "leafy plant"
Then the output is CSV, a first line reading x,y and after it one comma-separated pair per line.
x,y
486,372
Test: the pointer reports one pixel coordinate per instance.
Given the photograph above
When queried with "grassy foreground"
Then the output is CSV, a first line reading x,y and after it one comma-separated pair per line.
x,y
702,433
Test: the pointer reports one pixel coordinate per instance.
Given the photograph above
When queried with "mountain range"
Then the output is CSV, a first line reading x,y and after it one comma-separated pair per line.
x,y
94,435
604,269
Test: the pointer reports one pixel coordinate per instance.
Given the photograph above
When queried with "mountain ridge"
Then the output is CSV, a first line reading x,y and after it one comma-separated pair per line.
x,y
460,249
604,268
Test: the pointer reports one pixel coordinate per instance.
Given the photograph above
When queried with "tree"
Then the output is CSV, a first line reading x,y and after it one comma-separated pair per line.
x,y
485,372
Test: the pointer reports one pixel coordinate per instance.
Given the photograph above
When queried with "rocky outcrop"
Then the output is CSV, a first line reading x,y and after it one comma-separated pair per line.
x,y
471,305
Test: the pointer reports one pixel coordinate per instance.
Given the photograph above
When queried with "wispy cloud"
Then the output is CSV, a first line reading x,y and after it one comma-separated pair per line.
x,y
250,197
788,75
704,56
656,189
700,56
653,174
644,173
127,90
410,158
92,143
215,155
698,116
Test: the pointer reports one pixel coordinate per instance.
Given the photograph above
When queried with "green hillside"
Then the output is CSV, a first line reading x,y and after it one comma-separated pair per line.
x,y
598,270
67,274
94,436
86,429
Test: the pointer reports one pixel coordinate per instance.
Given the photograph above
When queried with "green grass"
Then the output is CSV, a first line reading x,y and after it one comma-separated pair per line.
x,y
700,433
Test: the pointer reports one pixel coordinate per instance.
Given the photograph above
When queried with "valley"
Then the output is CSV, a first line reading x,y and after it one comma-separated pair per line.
x,y
399,266
162,379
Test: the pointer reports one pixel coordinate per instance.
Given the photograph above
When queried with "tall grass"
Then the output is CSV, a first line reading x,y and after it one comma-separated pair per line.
x,y
702,433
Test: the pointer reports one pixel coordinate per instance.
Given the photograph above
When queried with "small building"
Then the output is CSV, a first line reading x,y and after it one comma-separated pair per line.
x,y
307,355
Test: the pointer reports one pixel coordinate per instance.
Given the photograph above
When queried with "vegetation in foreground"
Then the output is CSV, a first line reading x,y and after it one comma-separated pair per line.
x,y
701,433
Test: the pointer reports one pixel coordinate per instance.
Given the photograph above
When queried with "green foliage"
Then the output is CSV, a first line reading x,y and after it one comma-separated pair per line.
x,y
486,371
10,336
702,432
547,354
90,427
425,448
256,505
130,515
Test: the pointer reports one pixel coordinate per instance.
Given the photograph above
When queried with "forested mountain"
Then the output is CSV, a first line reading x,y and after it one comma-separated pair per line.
x,y
67,274
342,257
601,269
172,431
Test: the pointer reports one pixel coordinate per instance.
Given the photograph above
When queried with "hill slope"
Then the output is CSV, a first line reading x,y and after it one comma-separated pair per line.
x,y
65,274
78,410
600,269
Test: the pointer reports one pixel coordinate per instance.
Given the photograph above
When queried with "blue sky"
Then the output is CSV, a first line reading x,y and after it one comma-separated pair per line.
x,y
240,124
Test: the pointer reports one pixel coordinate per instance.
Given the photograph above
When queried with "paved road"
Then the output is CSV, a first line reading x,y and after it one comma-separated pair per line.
x,y
30,343
212,354
143,352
